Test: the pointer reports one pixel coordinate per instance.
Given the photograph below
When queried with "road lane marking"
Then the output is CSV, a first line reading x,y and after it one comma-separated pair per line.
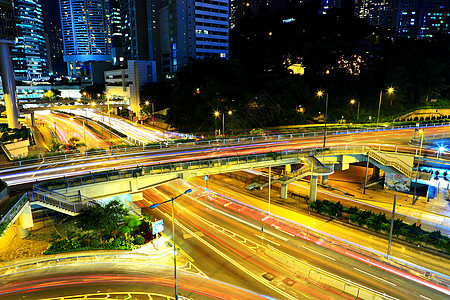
x,y
247,223
288,233
374,276
267,240
425,297
312,250
238,265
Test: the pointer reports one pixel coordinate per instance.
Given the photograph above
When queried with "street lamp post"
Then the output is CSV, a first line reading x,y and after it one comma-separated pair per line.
x,y
216,113
320,93
418,165
390,91
173,236
353,101
109,120
392,227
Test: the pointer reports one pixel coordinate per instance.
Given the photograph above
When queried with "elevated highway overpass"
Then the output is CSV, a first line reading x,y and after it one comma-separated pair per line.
x,y
157,165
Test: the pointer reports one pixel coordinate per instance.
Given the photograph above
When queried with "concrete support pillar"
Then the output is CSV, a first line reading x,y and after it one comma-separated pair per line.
x,y
287,169
139,196
21,231
313,189
9,84
324,179
24,221
284,191
33,119
376,172
185,175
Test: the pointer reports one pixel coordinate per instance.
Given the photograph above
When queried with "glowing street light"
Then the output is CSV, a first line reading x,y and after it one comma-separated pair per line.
x,y
390,91
418,165
353,101
173,236
217,113
320,94
108,97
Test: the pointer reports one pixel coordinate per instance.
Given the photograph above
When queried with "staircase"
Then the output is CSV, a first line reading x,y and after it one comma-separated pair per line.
x,y
313,166
395,163
69,205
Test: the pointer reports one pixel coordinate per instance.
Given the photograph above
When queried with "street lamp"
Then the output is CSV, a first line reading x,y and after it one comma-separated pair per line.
x,y
418,165
173,236
353,101
320,94
216,114
108,97
390,91
153,109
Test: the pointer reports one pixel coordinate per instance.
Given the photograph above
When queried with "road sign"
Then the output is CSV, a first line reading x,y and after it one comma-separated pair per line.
x,y
157,226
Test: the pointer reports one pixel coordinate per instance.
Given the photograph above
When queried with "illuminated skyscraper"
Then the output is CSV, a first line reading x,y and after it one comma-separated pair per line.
x,y
189,30
86,33
29,53
423,18
7,36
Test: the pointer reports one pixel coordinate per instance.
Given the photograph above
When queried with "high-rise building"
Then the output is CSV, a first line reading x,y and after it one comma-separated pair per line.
x,y
86,34
135,35
188,30
7,36
29,53
423,18
55,48
378,12
116,33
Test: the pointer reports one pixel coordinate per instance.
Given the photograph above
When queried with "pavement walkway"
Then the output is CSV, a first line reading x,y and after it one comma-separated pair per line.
x,y
17,251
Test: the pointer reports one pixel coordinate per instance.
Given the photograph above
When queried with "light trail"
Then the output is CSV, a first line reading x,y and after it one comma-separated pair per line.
x,y
142,134
287,227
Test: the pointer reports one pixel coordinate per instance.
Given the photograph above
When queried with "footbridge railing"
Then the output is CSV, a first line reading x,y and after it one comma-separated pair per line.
x,y
304,171
71,205
12,214
232,163
395,163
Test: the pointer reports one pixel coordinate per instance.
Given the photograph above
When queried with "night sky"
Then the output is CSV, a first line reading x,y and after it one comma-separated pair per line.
x,y
50,10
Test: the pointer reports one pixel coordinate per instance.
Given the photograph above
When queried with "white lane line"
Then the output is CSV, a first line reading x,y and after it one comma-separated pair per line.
x,y
425,297
238,265
312,250
288,233
267,240
247,223
374,276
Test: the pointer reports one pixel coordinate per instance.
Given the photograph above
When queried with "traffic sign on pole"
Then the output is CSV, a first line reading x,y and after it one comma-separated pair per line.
x,y
157,226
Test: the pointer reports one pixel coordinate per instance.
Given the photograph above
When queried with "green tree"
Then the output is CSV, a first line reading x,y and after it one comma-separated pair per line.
x,y
130,224
55,145
74,143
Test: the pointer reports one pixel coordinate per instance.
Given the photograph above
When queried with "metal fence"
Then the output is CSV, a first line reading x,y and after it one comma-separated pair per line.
x,y
320,276
11,214
232,161
61,201
200,143
178,167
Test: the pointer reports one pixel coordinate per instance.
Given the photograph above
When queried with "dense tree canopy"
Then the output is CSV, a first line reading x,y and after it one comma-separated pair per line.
x,y
341,55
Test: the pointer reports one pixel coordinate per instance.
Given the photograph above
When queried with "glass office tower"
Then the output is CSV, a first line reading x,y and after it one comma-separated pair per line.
x,y
86,34
29,54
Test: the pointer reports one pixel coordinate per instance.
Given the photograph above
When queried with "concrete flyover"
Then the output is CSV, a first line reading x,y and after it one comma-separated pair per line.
x,y
317,162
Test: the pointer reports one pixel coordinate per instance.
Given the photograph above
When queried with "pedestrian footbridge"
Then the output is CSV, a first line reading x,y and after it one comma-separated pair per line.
x,y
71,195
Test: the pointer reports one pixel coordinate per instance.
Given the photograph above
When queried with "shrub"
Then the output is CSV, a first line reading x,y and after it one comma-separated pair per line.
x,y
139,239
117,242
3,185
